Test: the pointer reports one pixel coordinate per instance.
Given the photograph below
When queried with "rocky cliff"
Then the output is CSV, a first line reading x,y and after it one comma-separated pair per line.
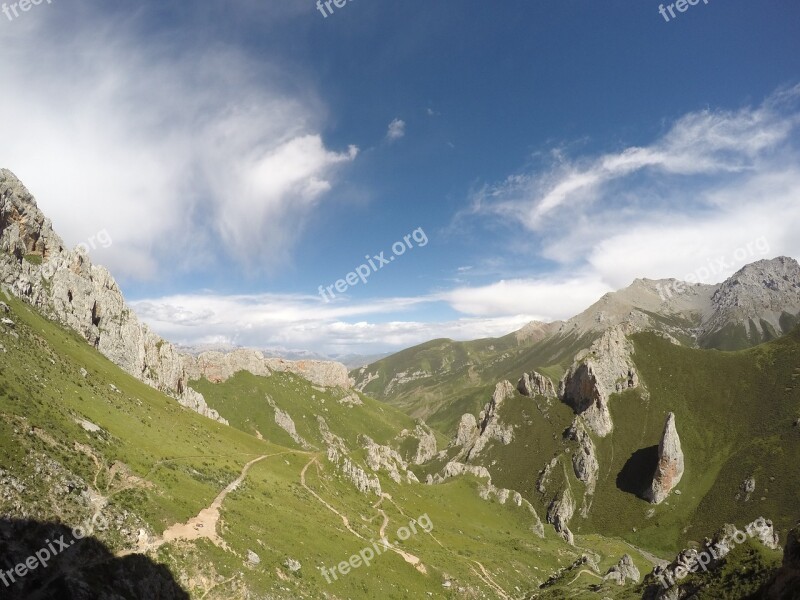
x,y
218,367
604,368
490,427
533,383
63,284
763,296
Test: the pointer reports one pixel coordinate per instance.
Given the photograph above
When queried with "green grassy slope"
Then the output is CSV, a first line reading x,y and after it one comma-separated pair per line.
x,y
242,401
735,414
157,464
443,379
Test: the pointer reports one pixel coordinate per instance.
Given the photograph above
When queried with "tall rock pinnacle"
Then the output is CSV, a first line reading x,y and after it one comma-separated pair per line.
x,y
670,464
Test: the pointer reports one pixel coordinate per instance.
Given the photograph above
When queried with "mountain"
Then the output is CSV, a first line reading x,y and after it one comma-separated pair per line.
x,y
662,413
351,361
220,474
591,458
64,285
440,380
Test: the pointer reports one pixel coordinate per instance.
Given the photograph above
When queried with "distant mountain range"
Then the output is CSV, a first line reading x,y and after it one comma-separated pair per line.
x,y
351,361
759,303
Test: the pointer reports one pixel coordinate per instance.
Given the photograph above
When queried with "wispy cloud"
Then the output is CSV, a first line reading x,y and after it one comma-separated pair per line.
x,y
705,143
396,130
713,181
303,322
180,151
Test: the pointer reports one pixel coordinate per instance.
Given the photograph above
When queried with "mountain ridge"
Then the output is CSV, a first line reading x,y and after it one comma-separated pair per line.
x,y
64,284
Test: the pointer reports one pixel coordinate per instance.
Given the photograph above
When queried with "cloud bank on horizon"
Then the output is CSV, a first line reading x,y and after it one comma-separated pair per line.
x,y
232,187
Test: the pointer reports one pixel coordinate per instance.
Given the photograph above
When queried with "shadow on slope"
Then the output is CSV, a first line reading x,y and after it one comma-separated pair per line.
x,y
44,561
637,473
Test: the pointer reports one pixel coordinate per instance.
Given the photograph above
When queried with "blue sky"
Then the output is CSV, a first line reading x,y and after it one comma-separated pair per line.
x,y
240,155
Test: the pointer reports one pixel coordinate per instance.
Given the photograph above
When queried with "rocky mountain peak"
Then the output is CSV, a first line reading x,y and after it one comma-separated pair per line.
x,y
25,228
766,289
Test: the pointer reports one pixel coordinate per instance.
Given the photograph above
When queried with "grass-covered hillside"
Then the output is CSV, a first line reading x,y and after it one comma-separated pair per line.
x,y
78,437
738,418
440,380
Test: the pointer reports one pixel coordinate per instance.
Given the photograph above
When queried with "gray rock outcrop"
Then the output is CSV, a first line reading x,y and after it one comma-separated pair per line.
x,y
559,513
285,422
669,469
383,458
220,366
623,572
759,295
667,579
584,462
467,431
544,475
65,286
606,367
426,443
533,383
364,483
455,468
491,428
503,495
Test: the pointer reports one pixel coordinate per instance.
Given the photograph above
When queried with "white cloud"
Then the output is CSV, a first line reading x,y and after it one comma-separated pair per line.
x,y
715,182
305,322
396,130
716,187
547,299
177,150
707,143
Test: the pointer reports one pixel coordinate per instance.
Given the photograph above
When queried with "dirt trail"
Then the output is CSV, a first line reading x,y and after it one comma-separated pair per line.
x,y
489,581
204,525
587,572
409,558
382,532
344,519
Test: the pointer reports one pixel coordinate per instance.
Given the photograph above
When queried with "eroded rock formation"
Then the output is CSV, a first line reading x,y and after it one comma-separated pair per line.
x,y
669,469
604,368
64,285
533,383
584,462
490,427
560,512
